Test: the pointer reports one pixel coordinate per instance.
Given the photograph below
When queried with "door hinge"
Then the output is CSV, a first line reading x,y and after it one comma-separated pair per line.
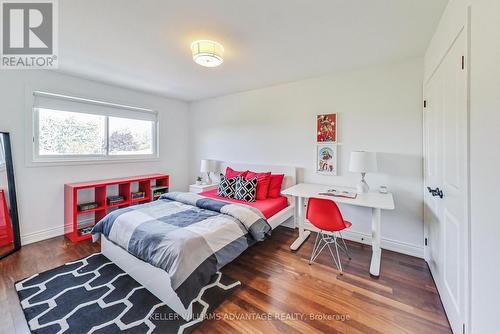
x,y
463,62
425,103
425,241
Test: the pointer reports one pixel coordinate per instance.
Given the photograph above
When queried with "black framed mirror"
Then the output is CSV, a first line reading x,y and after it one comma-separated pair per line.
x,y
10,239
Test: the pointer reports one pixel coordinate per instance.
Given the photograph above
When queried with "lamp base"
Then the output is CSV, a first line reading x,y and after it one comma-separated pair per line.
x,y
362,187
209,181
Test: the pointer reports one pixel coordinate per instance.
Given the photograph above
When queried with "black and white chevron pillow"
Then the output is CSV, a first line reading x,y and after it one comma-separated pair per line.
x,y
246,190
227,186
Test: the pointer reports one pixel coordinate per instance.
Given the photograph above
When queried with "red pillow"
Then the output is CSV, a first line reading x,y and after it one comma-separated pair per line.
x,y
275,185
230,173
263,181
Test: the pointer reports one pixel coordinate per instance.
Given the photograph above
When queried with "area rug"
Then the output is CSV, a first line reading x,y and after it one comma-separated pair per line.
x,y
93,295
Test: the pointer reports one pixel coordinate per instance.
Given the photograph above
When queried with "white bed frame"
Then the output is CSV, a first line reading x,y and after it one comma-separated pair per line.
x,y
157,280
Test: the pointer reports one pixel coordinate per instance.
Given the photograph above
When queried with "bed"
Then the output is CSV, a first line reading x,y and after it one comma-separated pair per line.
x,y
276,212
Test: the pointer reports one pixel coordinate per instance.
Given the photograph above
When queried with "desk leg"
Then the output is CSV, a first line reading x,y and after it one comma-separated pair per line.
x,y
376,251
299,221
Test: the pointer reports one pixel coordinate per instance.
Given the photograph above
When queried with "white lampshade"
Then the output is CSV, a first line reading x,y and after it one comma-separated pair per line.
x,y
363,162
207,166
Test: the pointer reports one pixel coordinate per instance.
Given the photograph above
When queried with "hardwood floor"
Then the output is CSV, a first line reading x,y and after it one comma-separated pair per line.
x,y
4,249
280,291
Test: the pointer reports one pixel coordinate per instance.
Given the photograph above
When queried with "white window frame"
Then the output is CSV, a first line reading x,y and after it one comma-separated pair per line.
x,y
91,158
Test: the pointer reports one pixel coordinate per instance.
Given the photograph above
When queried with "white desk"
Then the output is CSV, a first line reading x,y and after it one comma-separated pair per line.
x,y
374,200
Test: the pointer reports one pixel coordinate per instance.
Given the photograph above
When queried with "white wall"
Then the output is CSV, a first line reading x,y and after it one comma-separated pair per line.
x,y
379,110
40,189
449,26
485,165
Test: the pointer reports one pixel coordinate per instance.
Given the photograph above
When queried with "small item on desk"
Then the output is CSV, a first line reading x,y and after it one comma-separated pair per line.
x,y
339,193
383,189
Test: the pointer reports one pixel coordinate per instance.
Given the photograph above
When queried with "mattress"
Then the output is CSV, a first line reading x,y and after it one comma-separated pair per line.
x,y
269,206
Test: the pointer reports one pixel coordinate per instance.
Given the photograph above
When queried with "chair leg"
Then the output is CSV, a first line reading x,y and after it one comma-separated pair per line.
x,y
327,241
334,258
338,254
314,248
320,248
346,250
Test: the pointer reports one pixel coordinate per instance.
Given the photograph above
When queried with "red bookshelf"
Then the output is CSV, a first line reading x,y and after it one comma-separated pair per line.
x,y
78,193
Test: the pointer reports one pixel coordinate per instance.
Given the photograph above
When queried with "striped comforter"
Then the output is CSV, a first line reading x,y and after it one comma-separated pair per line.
x,y
189,236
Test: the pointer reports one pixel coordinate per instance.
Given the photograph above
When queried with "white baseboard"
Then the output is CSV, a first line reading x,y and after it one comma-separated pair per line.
x,y
388,244
42,235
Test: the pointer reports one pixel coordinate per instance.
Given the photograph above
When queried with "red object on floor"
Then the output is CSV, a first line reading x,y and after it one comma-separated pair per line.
x,y
325,215
6,233
269,206
100,189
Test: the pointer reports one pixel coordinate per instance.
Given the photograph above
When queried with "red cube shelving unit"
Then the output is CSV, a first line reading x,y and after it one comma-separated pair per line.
x,y
145,183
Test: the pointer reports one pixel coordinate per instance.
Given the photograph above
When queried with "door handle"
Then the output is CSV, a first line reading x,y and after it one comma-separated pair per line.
x,y
436,192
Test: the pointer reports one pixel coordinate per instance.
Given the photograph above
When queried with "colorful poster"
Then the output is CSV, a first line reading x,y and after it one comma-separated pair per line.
x,y
326,126
326,159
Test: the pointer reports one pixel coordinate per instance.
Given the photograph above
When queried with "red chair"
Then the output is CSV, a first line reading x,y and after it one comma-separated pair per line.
x,y
326,216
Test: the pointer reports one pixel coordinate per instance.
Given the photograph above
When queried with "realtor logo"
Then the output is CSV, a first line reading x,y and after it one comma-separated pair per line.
x,y
29,34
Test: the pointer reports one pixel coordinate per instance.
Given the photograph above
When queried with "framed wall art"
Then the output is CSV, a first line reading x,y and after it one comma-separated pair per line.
x,y
326,128
326,159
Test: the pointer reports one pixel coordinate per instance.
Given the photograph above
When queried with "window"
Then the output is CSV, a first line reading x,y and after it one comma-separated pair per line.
x,y
69,133
129,136
67,128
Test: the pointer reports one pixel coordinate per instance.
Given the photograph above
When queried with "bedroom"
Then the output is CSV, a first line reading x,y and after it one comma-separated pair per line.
x,y
105,103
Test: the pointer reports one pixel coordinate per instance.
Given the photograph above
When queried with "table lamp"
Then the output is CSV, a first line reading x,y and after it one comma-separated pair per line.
x,y
207,166
363,162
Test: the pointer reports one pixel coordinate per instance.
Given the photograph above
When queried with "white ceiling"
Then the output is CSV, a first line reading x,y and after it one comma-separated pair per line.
x,y
145,44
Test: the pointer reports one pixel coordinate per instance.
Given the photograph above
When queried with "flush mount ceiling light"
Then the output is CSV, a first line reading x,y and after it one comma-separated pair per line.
x,y
207,53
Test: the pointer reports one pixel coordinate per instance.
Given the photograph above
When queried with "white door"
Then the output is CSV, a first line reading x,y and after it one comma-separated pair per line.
x,y
446,154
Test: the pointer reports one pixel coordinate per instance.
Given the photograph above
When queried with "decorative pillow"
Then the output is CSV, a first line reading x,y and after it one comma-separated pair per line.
x,y
275,185
246,190
233,173
263,180
227,186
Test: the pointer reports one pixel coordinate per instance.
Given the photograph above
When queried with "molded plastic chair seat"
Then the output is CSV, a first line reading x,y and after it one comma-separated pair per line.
x,y
326,216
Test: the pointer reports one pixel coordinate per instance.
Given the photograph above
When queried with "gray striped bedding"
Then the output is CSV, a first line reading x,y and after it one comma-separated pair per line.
x,y
189,236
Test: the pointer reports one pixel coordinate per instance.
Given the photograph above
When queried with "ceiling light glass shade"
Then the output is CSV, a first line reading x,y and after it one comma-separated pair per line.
x,y
207,53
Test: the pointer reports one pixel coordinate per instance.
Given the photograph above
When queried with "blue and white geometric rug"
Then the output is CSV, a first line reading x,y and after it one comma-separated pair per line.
x,y
93,295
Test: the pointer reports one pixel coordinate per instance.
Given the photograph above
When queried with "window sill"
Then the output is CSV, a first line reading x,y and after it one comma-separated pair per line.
x,y
79,162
